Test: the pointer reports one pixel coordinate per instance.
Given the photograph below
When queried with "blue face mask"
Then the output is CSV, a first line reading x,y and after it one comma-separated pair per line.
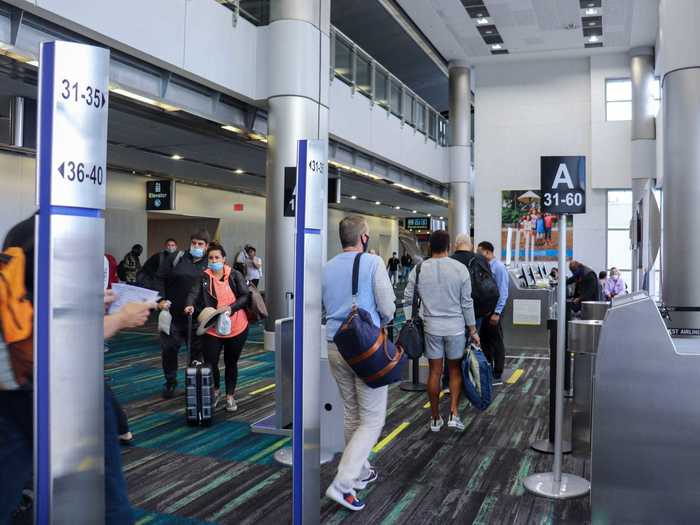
x,y
216,266
197,253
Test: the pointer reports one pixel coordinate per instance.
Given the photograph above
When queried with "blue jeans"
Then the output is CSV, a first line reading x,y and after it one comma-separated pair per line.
x,y
16,450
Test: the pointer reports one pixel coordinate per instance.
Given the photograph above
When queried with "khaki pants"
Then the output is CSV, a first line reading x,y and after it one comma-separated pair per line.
x,y
365,412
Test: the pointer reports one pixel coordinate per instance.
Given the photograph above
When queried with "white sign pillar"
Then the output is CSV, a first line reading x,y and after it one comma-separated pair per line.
x,y
68,302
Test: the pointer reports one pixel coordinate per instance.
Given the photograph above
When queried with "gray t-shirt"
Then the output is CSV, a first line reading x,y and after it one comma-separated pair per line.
x,y
446,291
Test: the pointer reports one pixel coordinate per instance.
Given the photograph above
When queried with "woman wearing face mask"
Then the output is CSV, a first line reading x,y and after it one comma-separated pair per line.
x,y
222,287
614,285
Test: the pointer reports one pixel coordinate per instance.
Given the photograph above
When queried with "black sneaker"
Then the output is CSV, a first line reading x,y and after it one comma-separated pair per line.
x,y
497,380
169,391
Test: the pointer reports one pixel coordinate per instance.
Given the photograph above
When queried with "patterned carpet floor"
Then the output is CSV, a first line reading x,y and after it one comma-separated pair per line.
x,y
227,475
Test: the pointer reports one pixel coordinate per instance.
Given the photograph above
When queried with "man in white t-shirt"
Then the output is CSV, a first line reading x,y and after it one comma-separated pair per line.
x,y
252,263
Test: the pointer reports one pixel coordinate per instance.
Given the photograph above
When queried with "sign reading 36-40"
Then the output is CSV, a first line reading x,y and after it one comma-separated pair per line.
x,y
563,184
74,94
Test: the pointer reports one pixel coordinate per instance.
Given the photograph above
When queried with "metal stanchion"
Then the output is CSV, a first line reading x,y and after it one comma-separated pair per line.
x,y
554,484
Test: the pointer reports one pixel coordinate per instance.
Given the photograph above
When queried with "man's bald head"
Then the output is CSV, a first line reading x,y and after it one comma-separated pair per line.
x,y
463,243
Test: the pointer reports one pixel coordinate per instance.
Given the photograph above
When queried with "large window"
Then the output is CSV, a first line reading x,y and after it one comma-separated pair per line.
x,y
619,244
618,99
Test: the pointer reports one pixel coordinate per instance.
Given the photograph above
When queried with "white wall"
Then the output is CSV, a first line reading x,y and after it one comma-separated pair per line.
x,y
353,120
126,221
610,141
525,110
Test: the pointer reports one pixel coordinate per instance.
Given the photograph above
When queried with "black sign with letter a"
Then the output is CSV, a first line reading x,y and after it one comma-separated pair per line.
x,y
563,184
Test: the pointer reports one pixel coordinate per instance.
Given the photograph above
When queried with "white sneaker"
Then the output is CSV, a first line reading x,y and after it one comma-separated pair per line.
x,y
454,422
348,500
436,424
231,405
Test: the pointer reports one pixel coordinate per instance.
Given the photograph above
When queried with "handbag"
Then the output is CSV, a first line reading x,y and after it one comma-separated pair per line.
x,y
477,378
412,335
256,309
365,346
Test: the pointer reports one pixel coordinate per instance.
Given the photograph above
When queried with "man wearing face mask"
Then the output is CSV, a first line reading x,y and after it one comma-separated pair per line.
x,y
176,277
586,281
614,285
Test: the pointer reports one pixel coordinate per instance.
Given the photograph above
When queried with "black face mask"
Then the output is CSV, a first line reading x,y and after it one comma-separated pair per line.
x,y
365,244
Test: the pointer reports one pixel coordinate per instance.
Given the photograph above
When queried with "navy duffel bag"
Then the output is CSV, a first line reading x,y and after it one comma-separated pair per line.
x,y
365,346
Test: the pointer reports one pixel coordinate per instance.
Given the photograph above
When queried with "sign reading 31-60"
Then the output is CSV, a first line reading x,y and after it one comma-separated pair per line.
x,y
74,122
563,184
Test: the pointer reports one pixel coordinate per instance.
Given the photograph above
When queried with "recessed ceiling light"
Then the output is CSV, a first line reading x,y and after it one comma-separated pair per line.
x,y
414,211
496,47
239,171
377,203
489,32
430,215
482,21
353,197
593,38
397,207
233,129
591,11
176,157
442,218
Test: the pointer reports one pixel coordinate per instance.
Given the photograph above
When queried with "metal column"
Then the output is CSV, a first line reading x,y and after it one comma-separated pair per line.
x,y
69,370
298,65
460,154
643,160
679,67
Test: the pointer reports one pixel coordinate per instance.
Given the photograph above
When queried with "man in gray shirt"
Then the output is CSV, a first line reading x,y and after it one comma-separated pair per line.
x,y
445,290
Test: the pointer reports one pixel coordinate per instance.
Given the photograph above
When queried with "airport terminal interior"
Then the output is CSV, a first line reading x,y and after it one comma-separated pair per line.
x,y
446,247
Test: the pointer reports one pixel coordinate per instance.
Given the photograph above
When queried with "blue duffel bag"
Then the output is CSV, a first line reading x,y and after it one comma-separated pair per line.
x,y
365,346
477,378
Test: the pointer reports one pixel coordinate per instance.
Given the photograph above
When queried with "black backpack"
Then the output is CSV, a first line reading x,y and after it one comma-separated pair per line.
x,y
484,287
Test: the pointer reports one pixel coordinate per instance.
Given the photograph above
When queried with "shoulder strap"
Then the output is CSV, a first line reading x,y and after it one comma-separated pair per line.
x,y
416,294
178,257
356,277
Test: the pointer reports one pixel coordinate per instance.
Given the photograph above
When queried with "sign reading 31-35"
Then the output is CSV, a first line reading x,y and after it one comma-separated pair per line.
x,y
74,88
563,184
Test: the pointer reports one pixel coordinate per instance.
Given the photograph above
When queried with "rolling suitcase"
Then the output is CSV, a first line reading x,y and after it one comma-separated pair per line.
x,y
199,382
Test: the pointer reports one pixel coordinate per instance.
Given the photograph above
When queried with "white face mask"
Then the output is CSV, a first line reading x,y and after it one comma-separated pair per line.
x,y
615,276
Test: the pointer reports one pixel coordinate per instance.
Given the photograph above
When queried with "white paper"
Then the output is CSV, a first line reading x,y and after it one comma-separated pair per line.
x,y
127,293
527,312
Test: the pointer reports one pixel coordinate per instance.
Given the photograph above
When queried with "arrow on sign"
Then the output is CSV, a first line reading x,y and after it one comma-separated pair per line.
x,y
103,100
60,169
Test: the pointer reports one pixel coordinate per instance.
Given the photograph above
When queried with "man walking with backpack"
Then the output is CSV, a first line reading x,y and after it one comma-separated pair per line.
x,y
491,330
175,280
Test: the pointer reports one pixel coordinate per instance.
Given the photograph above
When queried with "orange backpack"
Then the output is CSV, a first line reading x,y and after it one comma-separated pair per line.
x,y
16,314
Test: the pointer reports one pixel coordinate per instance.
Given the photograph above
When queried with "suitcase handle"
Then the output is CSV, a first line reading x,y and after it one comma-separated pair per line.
x,y
189,334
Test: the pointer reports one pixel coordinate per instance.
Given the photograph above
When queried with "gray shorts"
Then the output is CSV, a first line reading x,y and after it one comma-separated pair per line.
x,y
440,346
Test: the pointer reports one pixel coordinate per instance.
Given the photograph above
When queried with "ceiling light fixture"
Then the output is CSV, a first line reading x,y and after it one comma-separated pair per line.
x,y
377,203
145,100
176,157
234,129
593,39
257,136
414,211
442,218
353,197
430,215
482,21
397,207
239,171
496,47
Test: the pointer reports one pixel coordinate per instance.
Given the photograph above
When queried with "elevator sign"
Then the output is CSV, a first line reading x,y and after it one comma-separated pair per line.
x,y
563,184
74,98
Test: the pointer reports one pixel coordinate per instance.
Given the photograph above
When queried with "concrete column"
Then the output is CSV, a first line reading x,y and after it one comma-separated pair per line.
x,y
678,65
460,153
643,164
298,63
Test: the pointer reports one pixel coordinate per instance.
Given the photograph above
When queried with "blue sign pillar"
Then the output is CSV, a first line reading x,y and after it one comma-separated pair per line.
x,y
68,302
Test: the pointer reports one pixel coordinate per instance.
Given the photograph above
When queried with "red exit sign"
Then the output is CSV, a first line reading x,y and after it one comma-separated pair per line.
x,y
238,207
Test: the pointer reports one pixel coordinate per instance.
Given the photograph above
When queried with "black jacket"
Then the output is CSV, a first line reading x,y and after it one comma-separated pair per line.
x,y
174,283
587,286
203,293
465,257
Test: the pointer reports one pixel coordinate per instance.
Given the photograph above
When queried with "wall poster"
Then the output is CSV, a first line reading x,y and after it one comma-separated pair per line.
x,y
521,212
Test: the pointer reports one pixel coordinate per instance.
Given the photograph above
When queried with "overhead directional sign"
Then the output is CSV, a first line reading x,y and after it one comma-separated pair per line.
x,y
160,195
563,184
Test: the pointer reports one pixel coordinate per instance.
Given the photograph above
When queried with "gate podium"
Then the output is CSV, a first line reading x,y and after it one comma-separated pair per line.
x,y
68,302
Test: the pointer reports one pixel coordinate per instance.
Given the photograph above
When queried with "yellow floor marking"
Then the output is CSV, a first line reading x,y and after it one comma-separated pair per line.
x,y
427,405
263,389
388,439
515,376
